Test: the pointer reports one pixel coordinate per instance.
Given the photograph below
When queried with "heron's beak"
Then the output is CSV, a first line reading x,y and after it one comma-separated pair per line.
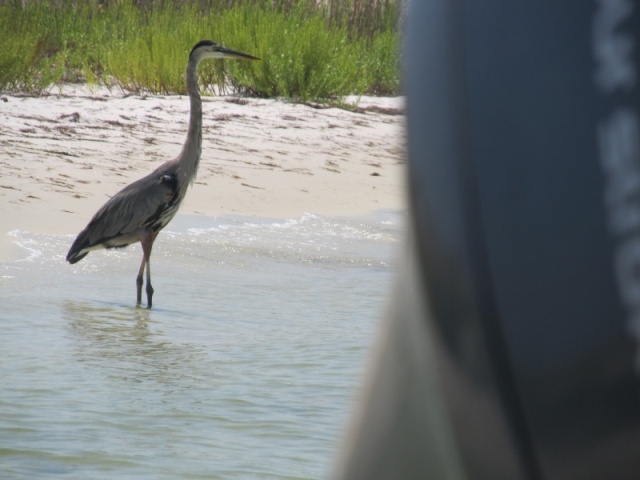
x,y
232,54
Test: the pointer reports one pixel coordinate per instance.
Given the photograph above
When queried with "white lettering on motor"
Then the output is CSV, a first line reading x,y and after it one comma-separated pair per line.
x,y
619,152
613,50
618,139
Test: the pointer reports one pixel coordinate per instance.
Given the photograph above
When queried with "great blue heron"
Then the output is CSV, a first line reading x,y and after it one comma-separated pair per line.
x,y
139,211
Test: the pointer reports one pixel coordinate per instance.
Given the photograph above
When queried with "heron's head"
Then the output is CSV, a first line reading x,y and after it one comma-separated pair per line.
x,y
208,49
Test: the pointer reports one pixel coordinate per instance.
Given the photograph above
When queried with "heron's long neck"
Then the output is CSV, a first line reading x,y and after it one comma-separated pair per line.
x,y
190,156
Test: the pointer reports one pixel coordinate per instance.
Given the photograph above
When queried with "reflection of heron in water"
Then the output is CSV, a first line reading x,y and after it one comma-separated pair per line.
x,y
139,211
108,325
118,339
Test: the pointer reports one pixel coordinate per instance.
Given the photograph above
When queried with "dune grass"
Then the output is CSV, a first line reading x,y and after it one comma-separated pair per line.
x,y
310,50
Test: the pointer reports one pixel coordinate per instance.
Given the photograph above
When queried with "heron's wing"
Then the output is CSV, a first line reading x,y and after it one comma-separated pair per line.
x,y
120,220
131,209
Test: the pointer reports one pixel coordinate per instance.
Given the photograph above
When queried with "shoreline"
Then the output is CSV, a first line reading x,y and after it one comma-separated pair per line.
x,y
64,155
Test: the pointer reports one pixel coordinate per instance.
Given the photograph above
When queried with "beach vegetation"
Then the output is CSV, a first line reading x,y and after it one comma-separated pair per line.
x,y
311,49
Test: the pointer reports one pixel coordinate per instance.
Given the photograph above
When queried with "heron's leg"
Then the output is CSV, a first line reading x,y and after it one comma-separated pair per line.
x,y
147,244
139,280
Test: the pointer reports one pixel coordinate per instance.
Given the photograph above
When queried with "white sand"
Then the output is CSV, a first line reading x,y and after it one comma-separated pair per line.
x,y
63,155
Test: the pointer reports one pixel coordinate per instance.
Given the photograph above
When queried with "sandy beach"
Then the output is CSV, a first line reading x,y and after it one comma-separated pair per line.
x,y
64,154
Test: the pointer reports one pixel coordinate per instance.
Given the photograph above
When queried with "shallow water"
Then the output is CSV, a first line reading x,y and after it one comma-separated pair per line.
x,y
245,367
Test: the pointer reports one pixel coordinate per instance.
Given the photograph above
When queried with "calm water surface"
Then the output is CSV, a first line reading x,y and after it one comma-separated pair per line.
x,y
246,366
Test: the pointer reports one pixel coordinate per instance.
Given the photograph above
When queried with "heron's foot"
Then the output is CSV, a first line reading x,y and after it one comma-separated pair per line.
x,y
149,295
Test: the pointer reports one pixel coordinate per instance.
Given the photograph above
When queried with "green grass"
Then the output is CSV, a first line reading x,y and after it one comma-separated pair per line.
x,y
308,52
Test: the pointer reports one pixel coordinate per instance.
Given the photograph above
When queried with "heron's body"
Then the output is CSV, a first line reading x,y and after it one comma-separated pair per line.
x,y
129,216
140,210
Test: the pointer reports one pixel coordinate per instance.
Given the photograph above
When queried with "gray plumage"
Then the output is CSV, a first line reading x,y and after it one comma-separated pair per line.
x,y
139,211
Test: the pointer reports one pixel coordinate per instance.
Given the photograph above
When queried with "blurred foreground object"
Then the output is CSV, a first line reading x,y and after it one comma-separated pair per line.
x,y
511,349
